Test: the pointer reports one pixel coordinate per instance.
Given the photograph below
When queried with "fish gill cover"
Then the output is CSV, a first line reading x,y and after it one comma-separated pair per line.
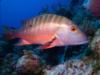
x,y
30,59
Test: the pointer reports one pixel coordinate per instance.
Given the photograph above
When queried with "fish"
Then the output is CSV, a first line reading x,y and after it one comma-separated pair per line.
x,y
93,6
50,30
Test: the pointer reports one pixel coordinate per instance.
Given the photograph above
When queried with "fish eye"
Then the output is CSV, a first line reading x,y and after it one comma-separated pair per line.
x,y
73,28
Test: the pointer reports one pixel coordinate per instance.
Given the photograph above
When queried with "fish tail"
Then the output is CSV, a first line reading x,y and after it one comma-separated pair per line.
x,y
8,35
9,32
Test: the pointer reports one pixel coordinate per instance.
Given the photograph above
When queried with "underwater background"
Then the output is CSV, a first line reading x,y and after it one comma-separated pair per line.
x,y
71,60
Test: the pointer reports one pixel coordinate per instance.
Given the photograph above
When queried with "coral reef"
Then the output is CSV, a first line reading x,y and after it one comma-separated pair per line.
x,y
27,62
72,67
95,44
93,52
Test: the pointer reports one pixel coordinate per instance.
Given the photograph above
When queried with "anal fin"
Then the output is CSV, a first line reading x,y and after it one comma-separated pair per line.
x,y
22,42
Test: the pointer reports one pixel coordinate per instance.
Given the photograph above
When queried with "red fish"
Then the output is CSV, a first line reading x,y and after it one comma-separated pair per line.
x,y
50,30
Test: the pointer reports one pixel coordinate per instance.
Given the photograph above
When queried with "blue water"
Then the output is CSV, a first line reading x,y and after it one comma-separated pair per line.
x,y
13,12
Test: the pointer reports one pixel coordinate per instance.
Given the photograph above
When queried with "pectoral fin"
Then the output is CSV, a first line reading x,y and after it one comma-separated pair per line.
x,y
54,42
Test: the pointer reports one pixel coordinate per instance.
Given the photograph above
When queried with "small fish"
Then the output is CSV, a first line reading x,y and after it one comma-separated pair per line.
x,y
93,6
50,30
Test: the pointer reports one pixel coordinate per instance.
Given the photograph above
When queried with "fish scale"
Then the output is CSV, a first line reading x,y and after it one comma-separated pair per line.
x,y
41,22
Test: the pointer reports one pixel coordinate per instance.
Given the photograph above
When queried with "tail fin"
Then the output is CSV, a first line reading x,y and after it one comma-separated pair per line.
x,y
8,33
